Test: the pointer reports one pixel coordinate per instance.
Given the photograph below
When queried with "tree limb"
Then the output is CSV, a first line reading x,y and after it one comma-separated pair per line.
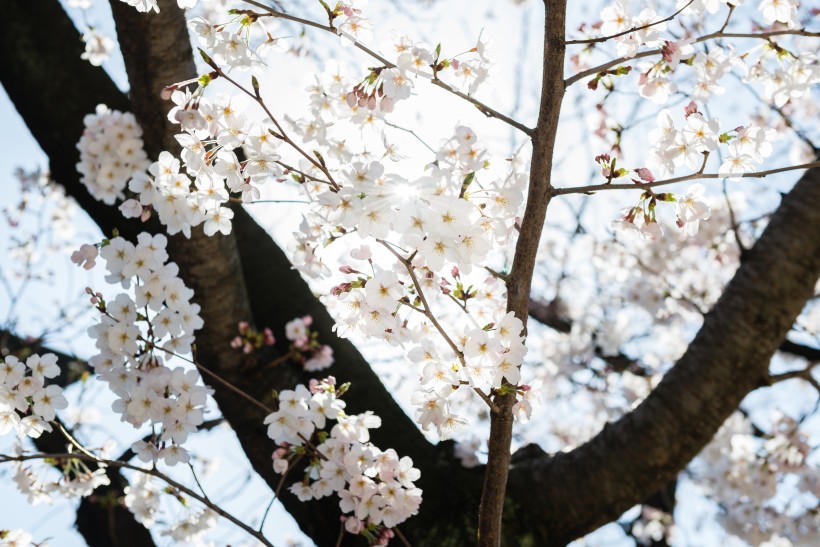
x,y
565,496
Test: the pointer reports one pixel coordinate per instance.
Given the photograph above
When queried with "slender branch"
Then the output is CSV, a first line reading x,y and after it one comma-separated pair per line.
x,y
519,281
803,374
196,480
719,34
278,490
486,110
401,537
213,375
282,133
693,176
634,29
429,315
153,472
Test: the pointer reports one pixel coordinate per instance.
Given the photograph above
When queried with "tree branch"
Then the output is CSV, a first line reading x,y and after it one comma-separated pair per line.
x,y
570,494
483,108
693,176
519,280
712,36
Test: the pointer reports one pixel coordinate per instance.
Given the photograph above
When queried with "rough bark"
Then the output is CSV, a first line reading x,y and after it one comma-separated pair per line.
x,y
565,496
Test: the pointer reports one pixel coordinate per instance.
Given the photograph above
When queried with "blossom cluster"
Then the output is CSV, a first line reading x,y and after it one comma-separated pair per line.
x,y
615,19
143,498
144,6
27,404
313,355
76,481
784,74
375,488
700,136
134,345
111,152
747,473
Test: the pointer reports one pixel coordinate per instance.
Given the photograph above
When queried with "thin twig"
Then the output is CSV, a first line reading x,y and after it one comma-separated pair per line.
x,y
719,34
153,472
629,31
693,176
401,537
429,315
278,490
486,110
196,480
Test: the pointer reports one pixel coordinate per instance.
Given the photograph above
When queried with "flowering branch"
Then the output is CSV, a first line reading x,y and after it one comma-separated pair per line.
x,y
483,108
693,176
715,35
91,458
628,31
429,315
282,134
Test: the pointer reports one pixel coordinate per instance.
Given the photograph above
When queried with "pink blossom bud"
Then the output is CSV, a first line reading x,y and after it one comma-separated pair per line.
x,y
248,348
455,271
347,270
267,337
386,105
690,109
236,343
525,387
307,320
371,103
456,63
167,92
244,326
362,101
354,525
351,99
645,174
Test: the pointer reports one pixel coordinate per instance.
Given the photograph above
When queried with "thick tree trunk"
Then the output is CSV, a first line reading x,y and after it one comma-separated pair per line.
x,y
564,496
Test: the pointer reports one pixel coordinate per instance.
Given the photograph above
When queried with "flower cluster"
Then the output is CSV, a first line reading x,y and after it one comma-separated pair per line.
x,y
144,6
375,487
249,339
745,473
111,152
143,498
27,404
306,347
134,345
691,145
76,481
615,19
